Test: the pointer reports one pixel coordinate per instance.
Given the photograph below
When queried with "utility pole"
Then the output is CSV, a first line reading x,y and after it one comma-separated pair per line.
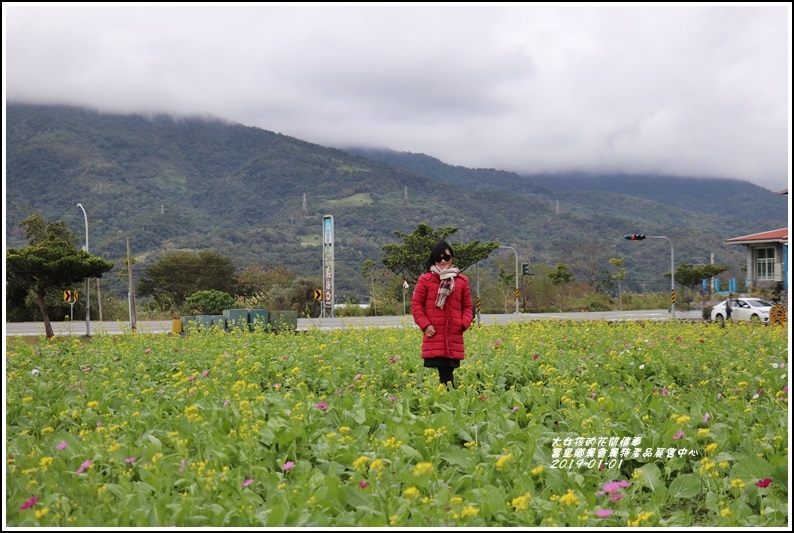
x,y
87,281
133,320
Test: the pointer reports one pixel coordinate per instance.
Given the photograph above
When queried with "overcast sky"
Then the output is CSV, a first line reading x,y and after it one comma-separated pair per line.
x,y
691,90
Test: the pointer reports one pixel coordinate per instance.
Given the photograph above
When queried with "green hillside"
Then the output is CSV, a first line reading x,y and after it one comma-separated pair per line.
x,y
196,183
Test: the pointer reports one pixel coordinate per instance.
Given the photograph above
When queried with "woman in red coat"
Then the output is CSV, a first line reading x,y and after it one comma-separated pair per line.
x,y
442,308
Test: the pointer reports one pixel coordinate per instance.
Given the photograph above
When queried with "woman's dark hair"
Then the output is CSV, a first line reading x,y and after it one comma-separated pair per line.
x,y
435,253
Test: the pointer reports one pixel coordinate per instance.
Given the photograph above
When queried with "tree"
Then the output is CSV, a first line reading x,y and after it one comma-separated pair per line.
x,y
408,259
178,274
588,259
210,302
690,276
50,261
619,275
562,275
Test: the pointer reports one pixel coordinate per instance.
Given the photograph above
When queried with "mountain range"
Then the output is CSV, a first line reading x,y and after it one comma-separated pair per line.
x,y
256,196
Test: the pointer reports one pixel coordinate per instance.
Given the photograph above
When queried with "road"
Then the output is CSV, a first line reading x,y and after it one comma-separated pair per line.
x,y
326,324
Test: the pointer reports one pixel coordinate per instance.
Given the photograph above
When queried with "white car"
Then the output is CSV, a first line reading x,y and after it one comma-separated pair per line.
x,y
748,309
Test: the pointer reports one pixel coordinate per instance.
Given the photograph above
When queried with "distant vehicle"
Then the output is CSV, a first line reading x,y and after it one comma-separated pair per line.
x,y
747,309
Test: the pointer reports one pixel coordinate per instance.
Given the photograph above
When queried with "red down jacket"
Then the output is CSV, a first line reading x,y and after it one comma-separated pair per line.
x,y
449,322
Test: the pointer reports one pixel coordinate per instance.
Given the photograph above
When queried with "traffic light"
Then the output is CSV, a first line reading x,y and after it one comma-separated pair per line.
x,y
525,269
634,237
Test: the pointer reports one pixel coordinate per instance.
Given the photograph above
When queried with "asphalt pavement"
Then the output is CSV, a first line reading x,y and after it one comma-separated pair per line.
x,y
325,324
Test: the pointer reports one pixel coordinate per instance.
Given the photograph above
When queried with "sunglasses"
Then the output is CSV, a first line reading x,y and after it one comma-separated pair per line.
x,y
444,257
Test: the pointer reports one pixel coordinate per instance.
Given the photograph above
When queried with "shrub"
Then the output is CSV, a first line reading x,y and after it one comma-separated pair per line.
x,y
210,302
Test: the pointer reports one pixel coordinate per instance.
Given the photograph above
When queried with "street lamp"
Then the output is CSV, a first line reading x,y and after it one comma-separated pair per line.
x,y
672,266
87,281
516,253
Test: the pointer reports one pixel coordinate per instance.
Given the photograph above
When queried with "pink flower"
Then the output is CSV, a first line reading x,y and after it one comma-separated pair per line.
x,y
535,356
147,350
392,398
363,484
603,513
28,504
182,466
664,392
205,373
226,402
615,497
678,435
61,445
192,378
276,385
287,466
83,467
248,482
357,377
99,424
706,418
130,460
610,487
763,483
514,409
322,406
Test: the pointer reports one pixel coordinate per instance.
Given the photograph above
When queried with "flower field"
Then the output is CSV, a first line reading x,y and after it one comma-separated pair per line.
x,y
551,423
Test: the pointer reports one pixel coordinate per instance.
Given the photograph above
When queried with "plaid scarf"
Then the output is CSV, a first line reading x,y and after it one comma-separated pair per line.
x,y
447,284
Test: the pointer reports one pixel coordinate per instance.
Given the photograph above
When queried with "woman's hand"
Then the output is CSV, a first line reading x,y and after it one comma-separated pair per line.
x,y
430,330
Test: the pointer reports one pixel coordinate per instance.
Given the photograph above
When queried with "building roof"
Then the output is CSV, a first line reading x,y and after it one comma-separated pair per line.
x,y
778,235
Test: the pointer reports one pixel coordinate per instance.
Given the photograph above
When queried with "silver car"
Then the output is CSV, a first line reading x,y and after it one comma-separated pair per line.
x,y
747,309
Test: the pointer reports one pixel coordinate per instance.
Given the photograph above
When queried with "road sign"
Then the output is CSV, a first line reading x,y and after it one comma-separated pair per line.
x,y
70,296
318,294
517,294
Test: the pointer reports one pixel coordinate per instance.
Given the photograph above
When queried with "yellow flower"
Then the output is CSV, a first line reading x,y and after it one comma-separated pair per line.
x,y
737,484
522,502
710,448
569,498
344,429
455,500
41,512
702,432
360,463
92,404
683,419
725,512
47,430
537,470
469,511
411,492
470,444
503,460
45,462
423,468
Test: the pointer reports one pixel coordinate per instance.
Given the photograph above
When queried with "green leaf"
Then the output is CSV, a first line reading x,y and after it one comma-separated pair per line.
x,y
686,486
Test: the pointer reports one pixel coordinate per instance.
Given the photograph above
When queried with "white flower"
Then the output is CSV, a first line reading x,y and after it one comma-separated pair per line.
x,y
35,372
642,366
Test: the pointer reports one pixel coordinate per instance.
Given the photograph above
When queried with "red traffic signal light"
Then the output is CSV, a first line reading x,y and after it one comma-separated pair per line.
x,y
634,237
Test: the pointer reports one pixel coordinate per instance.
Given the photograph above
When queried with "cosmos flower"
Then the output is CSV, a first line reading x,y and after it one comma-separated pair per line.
x,y
763,483
248,482
28,504
322,406
603,513
288,466
83,467
61,445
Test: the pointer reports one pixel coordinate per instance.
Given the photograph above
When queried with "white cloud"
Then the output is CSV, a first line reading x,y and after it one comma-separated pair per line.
x,y
700,90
